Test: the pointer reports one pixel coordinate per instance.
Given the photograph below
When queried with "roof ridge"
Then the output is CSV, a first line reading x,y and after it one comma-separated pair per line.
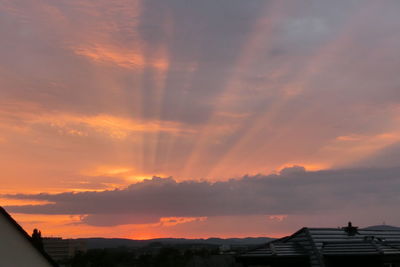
x,y
315,253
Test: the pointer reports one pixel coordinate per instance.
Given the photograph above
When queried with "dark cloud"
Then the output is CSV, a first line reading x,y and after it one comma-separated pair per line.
x,y
294,192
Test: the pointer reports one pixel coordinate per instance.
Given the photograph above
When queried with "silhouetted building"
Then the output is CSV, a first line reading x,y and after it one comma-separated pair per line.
x,y
62,249
17,248
327,247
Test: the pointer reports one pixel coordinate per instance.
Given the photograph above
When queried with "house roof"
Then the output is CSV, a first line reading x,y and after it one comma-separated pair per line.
x,y
8,217
278,249
318,242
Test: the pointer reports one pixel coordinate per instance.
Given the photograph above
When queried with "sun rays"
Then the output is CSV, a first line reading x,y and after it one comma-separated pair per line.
x,y
99,95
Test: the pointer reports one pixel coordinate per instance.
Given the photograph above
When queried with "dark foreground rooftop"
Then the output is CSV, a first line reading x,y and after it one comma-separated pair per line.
x,y
320,247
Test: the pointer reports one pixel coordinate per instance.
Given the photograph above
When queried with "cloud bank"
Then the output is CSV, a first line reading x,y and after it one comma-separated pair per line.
x,y
294,191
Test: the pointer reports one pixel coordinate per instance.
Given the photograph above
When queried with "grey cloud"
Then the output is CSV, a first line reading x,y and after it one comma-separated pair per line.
x,y
294,191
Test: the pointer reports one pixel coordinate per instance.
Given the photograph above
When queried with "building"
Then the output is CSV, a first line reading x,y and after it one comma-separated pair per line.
x,y
61,249
327,247
17,247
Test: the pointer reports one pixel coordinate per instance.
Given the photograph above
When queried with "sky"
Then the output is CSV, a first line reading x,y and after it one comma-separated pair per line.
x,y
185,118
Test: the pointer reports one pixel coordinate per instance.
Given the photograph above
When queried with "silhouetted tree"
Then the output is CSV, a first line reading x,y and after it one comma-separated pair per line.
x,y
37,239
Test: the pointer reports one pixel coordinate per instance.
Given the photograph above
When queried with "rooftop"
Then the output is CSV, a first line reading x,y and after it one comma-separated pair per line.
x,y
316,243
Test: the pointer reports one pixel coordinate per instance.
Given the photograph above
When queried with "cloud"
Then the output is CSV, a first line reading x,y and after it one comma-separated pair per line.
x,y
292,192
115,127
98,183
126,59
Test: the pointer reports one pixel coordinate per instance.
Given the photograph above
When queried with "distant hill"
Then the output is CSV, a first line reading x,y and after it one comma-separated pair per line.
x,y
381,227
93,243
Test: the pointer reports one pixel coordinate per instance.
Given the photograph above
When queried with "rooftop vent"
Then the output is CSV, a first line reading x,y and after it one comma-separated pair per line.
x,y
350,229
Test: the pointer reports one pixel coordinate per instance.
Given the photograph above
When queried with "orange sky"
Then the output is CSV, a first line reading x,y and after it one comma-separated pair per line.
x,y
99,95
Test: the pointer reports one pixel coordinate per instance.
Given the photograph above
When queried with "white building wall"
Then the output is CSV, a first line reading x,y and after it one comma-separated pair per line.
x,y
15,250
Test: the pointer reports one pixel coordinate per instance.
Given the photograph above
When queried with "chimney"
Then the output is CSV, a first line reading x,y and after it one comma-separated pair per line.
x,y
350,229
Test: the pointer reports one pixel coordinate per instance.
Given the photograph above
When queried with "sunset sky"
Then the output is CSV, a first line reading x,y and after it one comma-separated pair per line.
x,y
189,118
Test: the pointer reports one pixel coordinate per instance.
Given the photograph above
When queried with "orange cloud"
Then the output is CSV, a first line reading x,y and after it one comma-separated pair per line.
x,y
113,126
21,202
120,56
278,218
116,127
307,166
130,174
172,221
346,149
349,138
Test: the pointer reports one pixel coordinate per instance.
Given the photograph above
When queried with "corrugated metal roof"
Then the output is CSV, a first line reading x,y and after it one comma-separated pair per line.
x,y
277,249
319,242
350,248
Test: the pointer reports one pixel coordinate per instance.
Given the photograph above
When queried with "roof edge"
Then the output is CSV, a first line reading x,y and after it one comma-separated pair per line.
x,y
27,237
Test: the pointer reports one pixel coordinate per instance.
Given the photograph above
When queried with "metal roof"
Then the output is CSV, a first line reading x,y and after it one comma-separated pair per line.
x,y
277,249
319,242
